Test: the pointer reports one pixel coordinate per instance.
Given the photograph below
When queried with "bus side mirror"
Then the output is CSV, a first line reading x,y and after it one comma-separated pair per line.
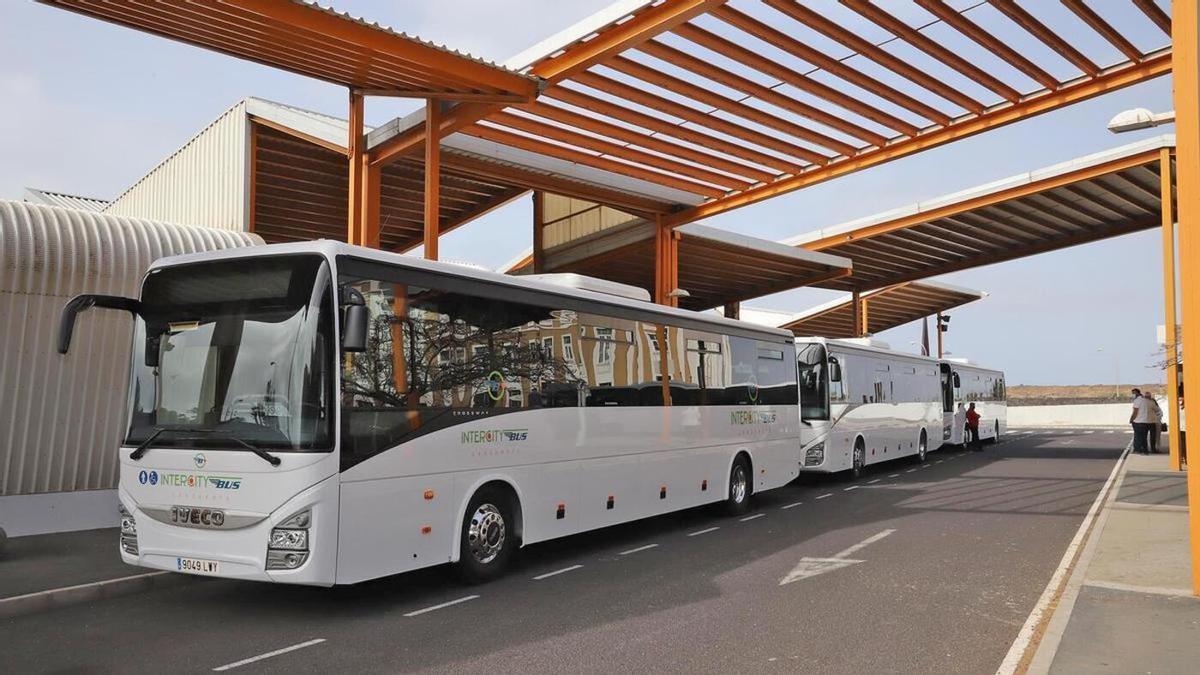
x,y
835,371
80,303
957,382
354,320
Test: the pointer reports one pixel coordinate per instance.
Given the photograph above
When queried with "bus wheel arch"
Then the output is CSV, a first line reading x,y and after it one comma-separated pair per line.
x,y
488,535
504,486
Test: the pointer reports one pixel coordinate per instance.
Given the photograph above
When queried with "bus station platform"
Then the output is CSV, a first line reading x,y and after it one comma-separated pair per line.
x,y
1127,605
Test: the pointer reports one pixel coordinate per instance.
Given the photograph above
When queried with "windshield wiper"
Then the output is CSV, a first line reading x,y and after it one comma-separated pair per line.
x,y
145,445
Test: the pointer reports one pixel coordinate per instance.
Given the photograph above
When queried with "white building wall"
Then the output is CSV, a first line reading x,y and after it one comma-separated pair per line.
x,y
204,183
61,418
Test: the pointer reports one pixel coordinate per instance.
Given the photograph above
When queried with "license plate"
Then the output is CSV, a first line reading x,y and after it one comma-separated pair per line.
x,y
197,566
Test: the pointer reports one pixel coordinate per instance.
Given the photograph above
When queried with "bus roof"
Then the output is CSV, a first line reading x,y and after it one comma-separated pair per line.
x,y
332,249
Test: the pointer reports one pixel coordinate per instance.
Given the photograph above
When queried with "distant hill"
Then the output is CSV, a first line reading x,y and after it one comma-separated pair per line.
x,y
1041,394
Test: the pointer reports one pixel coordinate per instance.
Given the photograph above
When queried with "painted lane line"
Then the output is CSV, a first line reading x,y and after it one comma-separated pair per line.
x,y
910,471
924,466
1054,588
872,482
893,475
827,494
704,531
939,461
809,567
790,506
863,544
260,657
441,606
757,515
547,575
647,547
1154,590
852,487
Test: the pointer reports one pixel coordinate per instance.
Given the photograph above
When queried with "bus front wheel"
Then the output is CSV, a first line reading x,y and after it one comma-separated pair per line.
x,y
487,539
737,498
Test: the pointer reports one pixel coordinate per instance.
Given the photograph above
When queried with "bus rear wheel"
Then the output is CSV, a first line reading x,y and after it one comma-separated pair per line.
x,y
487,538
859,467
996,436
737,498
922,446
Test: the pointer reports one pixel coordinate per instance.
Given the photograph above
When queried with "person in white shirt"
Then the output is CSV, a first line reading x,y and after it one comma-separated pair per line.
x,y
1140,418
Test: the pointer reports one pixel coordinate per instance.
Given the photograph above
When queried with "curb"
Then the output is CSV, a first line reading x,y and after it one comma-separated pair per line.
x,y
40,601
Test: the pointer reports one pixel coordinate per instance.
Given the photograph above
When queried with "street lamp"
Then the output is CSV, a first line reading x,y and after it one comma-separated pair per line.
x,y
1137,119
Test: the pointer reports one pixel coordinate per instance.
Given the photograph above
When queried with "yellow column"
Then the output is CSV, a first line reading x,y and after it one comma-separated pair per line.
x,y
1185,66
1174,438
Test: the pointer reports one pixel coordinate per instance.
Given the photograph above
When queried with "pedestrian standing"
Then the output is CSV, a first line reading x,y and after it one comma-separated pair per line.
x,y
1139,419
960,423
973,427
1156,418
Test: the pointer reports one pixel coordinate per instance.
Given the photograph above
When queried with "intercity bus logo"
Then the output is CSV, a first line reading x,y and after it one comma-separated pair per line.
x,y
739,417
190,480
487,436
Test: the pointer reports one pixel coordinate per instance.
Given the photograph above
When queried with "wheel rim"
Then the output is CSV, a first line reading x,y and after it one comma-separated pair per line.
x,y
860,458
923,446
738,485
486,533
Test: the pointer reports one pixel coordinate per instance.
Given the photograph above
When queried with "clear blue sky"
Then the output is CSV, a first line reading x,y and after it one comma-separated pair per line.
x,y
90,107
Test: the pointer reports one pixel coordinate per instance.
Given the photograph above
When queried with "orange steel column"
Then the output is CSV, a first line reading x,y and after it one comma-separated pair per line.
x,y
354,149
856,309
433,170
1185,50
1174,438
666,263
539,232
369,227
865,321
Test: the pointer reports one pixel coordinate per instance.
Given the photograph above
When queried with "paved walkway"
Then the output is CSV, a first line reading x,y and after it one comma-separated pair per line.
x,y
1129,605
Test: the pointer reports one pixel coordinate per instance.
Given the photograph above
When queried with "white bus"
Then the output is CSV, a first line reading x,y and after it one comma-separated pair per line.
x,y
862,403
966,383
318,413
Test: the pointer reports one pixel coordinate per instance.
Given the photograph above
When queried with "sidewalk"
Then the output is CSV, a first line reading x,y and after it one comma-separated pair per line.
x,y
46,570
1128,606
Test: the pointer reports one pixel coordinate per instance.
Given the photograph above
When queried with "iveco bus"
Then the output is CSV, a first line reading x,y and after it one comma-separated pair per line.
x,y
863,403
964,383
319,413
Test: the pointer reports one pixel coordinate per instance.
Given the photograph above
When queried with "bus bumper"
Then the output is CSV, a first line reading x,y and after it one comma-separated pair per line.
x,y
240,553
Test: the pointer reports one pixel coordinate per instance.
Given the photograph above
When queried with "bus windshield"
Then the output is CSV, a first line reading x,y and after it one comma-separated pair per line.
x,y
814,382
244,355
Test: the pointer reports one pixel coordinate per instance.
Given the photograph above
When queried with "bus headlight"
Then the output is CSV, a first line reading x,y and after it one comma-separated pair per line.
x,y
129,543
815,454
287,547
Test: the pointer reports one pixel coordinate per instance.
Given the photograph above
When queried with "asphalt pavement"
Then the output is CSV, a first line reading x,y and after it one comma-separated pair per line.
x,y
927,568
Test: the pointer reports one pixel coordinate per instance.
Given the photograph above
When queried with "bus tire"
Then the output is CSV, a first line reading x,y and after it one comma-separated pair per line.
x,y
995,437
922,446
859,461
741,486
488,538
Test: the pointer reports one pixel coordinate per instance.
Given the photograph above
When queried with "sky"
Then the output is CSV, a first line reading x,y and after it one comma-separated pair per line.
x,y
89,108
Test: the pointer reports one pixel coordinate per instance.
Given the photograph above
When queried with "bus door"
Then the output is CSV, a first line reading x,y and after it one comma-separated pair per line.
x,y
947,400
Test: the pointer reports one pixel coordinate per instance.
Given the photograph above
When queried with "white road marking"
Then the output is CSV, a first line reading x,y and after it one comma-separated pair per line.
x,y
704,531
910,471
939,461
924,466
1111,431
811,567
852,487
1016,653
757,515
872,482
106,582
790,506
441,606
827,494
647,547
260,657
893,475
1154,590
547,575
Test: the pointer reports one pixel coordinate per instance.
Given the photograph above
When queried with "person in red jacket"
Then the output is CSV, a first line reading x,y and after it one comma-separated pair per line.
x,y
973,427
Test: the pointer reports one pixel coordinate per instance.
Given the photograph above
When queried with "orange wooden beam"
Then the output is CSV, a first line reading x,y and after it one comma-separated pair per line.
x,y
452,120
642,27
1155,14
1121,76
1049,37
827,63
972,30
538,257
1104,28
816,21
911,36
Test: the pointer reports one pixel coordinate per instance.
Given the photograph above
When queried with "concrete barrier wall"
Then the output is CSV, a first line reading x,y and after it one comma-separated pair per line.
x,y
1083,415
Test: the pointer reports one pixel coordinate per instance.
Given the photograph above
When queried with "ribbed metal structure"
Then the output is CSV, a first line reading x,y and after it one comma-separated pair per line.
x,y
203,183
61,418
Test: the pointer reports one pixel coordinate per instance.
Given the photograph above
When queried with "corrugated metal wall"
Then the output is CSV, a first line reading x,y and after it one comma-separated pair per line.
x,y
61,418
568,219
203,183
